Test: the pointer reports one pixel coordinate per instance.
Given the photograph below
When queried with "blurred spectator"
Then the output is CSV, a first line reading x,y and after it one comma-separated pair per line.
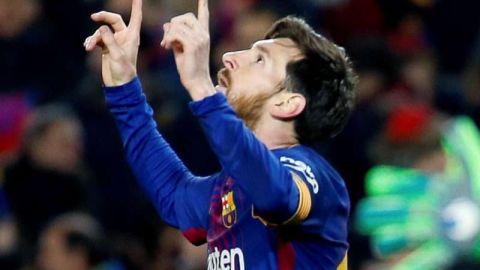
x,y
471,81
411,57
46,180
412,138
324,3
175,252
17,15
418,74
73,241
20,42
14,110
31,33
408,38
53,139
193,257
376,67
345,22
453,29
416,83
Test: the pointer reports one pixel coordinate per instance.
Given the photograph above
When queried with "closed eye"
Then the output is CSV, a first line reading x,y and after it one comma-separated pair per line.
x,y
259,59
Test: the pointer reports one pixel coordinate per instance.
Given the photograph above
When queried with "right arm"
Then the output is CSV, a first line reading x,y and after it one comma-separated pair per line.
x,y
155,164
158,169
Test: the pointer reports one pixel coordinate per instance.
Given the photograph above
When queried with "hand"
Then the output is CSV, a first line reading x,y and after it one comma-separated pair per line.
x,y
120,47
189,38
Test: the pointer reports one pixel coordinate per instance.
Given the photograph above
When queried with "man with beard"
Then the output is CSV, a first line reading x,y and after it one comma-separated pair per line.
x,y
276,204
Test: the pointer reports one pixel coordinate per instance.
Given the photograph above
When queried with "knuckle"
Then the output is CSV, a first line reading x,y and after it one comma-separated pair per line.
x,y
205,39
205,35
172,32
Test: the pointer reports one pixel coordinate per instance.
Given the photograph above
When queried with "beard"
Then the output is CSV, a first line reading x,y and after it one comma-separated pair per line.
x,y
249,108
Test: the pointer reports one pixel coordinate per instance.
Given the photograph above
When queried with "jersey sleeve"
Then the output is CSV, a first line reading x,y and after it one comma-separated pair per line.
x,y
192,208
326,202
178,196
254,167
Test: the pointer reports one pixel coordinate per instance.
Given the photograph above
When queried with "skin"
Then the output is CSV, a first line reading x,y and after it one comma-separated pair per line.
x,y
255,72
60,148
55,255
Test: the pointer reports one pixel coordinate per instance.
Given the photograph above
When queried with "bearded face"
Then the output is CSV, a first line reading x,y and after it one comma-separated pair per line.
x,y
251,77
248,107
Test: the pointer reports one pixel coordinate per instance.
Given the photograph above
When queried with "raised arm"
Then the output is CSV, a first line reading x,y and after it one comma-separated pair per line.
x,y
120,47
156,166
277,194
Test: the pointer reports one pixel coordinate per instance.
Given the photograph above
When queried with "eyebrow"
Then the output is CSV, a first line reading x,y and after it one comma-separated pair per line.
x,y
263,49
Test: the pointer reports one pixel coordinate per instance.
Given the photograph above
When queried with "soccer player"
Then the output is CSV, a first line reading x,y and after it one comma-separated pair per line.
x,y
276,204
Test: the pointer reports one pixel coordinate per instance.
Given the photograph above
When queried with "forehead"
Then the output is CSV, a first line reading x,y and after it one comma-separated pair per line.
x,y
279,47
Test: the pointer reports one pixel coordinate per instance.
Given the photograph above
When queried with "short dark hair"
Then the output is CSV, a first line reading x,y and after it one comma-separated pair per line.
x,y
324,76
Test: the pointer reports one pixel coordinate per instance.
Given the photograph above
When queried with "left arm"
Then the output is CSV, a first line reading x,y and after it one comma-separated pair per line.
x,y
278,195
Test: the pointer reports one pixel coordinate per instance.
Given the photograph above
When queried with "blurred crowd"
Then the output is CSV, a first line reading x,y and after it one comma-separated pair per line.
x,y
67,197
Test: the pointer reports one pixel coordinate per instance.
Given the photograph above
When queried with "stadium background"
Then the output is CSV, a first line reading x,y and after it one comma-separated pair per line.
x,y
418,62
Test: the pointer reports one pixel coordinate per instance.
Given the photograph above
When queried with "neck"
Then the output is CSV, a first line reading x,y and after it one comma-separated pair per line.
x,y
276,134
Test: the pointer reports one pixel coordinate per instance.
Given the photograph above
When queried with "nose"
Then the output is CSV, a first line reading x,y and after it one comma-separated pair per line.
x,y
232,60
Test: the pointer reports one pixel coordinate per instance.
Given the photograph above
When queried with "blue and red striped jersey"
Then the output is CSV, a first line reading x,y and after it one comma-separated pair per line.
x,y
248,214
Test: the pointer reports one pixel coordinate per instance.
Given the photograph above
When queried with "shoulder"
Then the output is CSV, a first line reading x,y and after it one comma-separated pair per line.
x,y
308,164
300,153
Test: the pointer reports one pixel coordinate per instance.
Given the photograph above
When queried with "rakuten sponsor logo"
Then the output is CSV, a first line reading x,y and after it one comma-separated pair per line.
x,y
226,259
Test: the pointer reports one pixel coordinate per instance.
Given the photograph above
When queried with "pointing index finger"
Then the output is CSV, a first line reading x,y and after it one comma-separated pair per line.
x,y
203,14
136,15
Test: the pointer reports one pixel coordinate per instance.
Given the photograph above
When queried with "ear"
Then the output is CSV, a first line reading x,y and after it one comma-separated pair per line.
x,y
288,105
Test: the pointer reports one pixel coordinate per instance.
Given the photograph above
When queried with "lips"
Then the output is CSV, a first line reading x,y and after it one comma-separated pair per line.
x,y
222,81
222,77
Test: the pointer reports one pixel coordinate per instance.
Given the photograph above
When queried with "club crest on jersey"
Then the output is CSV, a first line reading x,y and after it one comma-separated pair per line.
x,y
229,210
